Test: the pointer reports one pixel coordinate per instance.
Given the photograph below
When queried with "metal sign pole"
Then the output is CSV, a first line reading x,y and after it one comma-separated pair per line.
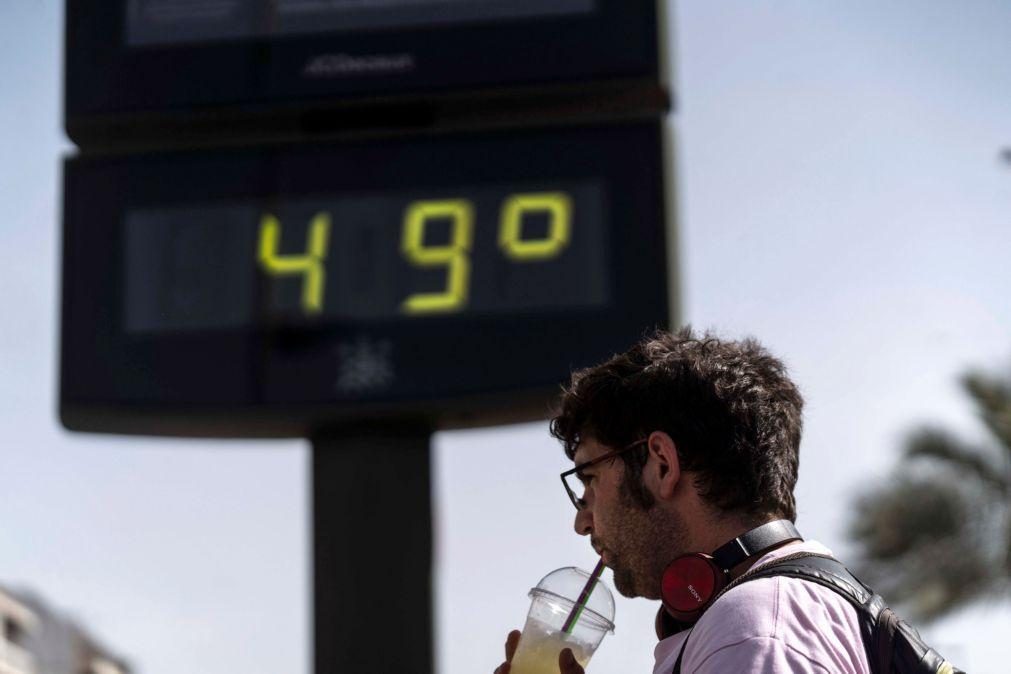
x,y
372,550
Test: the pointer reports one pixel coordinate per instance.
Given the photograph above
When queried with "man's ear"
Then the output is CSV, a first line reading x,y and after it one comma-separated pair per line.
x,y
665,470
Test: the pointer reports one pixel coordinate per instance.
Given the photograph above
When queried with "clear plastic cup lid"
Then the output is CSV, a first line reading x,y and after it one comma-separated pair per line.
x,y
567,584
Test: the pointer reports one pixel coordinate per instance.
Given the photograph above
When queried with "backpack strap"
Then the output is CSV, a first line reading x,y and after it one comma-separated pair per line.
x,y
821,569
829,572
825,571
888,623
891,643
681,654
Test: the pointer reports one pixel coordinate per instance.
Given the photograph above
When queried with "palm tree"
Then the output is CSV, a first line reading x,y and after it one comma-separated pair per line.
x,y
937,534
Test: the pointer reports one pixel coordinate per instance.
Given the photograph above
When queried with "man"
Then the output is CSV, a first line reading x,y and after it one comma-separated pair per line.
x,y
681,445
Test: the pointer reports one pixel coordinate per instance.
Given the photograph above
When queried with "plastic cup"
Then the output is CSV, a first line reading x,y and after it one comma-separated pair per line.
x,y
551,603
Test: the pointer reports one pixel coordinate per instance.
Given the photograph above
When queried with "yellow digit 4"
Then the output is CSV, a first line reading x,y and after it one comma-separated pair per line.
x,y
557,205
309,265
455,255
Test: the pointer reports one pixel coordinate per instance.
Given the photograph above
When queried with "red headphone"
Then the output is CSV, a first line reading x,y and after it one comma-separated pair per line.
x,y
692,581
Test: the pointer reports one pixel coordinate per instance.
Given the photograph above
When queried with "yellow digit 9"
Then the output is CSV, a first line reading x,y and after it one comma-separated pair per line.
x,y
557,205
455,255
309,265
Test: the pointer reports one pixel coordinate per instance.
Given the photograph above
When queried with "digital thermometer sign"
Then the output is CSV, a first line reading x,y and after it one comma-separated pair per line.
x,y
455,279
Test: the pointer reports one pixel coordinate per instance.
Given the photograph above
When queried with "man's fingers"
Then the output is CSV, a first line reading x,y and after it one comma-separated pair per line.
x,y
512,641
567,663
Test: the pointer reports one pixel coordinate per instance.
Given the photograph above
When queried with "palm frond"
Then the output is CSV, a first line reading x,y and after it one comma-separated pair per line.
x,y
993,401
941,446
937,534
895,518
920,546
944,578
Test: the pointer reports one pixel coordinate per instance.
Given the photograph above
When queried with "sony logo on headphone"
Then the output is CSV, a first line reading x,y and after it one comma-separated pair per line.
x,y
695,593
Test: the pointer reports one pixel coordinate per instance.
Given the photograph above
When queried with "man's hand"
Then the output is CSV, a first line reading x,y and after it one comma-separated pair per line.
x,y
566,662
510,647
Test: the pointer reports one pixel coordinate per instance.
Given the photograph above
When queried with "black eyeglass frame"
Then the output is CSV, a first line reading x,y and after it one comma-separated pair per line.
x,y
578,502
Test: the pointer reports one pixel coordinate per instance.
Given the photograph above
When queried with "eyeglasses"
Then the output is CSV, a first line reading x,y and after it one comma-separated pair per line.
x,y
575,481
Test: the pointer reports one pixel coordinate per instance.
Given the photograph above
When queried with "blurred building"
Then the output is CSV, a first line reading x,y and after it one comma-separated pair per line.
x,y
17,622
37,640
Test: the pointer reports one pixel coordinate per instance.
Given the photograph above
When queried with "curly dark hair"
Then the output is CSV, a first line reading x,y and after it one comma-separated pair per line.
x,y
729,406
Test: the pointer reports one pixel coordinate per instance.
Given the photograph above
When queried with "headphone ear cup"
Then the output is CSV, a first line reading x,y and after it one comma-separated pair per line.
x,y
689,584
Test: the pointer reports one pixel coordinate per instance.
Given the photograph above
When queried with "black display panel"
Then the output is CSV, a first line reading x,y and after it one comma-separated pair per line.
x,y
455,279
147,68
389,255
151,22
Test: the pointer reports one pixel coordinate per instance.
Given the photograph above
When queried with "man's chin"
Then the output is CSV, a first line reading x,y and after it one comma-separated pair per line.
x,y
624,583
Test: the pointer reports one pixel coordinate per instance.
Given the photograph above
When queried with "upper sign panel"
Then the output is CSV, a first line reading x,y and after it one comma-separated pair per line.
x,y
160,22
148,69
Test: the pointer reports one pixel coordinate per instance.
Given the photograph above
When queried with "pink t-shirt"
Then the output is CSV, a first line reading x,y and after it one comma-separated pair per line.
x,y
775,625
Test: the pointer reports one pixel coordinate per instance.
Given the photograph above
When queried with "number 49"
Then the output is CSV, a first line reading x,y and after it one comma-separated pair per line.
x,y
455,255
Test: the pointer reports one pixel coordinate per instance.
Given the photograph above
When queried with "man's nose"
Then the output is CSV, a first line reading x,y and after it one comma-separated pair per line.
x,y
584,522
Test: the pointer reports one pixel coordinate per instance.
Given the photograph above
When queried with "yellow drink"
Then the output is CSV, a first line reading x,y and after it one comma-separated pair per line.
x,y
539,647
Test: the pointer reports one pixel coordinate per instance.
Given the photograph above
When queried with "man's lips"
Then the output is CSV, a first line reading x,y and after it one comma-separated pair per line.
x,y
601,551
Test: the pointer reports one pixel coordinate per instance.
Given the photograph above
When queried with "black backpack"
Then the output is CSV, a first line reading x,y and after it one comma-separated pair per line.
x,y
893,646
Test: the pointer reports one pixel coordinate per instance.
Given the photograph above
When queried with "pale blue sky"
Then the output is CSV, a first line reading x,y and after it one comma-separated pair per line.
x,y
840,197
